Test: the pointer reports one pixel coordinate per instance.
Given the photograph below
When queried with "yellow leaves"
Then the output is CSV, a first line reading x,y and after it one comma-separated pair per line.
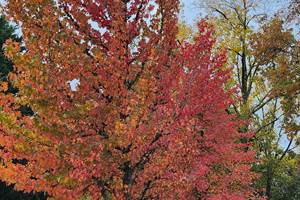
x,y
30,134
260,87
98,54
120,127
91,104
21,147
10,125
184,32
31,142
3,86
66,181
8,121
79,110
244,110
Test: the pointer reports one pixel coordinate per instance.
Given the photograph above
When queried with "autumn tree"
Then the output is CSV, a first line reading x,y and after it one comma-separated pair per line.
x,y
146,119
264,55
280,115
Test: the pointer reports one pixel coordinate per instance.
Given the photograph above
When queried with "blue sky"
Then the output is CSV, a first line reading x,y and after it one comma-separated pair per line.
x,y
190,12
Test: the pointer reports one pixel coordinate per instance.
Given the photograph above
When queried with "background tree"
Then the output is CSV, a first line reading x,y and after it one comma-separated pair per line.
x,y
264,56
130,129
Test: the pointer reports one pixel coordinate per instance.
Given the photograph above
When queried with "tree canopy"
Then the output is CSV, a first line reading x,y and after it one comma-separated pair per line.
x,y
130,129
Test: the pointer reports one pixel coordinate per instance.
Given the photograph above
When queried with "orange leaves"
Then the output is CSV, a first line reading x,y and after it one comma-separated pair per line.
x,y
271,42
3,86
120,128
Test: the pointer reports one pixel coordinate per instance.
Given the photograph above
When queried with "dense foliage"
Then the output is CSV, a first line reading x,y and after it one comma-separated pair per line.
x,y
145,119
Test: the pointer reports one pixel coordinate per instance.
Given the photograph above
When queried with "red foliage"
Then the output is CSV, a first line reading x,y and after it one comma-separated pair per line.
x,y
147,120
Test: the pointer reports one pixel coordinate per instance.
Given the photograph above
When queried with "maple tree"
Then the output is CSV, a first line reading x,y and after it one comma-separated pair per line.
x,y
146,119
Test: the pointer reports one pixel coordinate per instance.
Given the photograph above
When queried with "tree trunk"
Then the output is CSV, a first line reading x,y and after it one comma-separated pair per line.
x,y
244,78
